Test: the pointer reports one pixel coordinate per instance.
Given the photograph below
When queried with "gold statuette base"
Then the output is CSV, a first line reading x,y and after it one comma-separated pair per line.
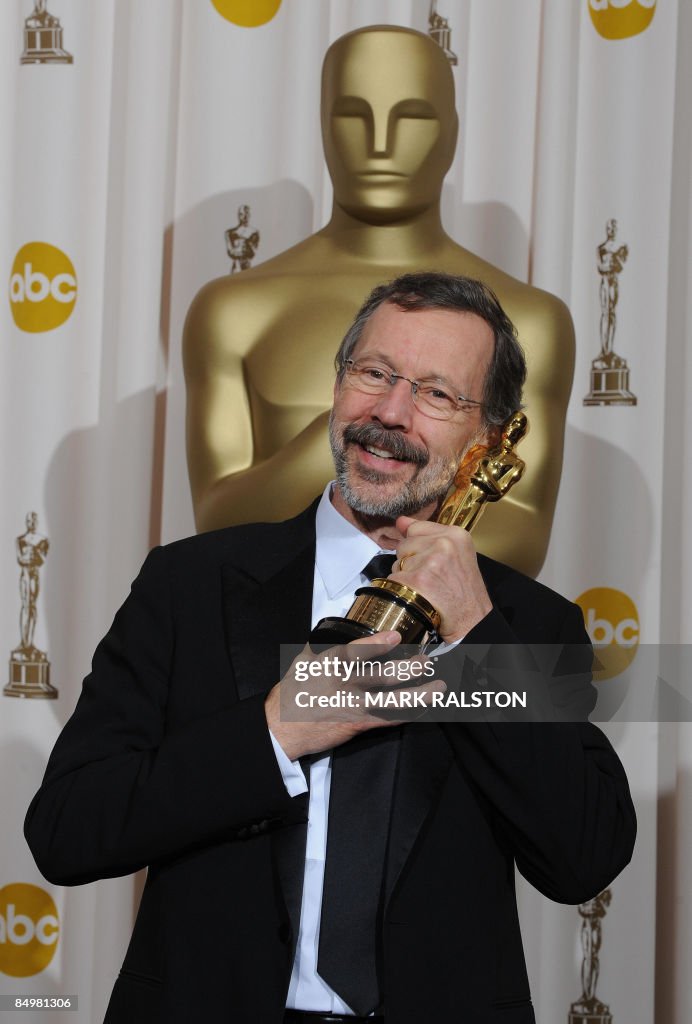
x,y
610,386
381,606
46,57
30,679
387,604
43,45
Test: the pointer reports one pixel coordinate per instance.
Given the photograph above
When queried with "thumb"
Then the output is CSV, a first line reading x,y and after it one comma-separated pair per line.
x,y
403,524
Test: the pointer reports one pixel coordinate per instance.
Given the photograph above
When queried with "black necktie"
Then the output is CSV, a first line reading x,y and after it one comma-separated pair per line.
x,y
379,567
360,800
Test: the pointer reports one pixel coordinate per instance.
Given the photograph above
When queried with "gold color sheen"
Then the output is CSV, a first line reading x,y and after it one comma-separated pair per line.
x,y
382,615
259,345
412,596
493,475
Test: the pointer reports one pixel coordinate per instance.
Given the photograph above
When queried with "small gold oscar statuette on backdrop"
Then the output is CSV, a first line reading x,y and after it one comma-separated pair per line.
x,y
589,1009
439,30
43,38
29,667
485,475
242,241
610,375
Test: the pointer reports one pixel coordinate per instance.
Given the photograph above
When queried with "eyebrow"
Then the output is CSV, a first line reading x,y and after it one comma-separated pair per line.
x,y
439,378
412,106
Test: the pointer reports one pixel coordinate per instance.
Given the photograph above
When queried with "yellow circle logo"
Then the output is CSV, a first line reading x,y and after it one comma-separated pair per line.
x,y
620,19
248,13
28,929
612,623
43,287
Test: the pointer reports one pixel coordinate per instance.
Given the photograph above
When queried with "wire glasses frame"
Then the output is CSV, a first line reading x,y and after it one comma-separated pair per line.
x,y
430,397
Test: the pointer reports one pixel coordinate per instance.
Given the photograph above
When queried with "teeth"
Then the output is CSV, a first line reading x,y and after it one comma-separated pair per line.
x,y
381,452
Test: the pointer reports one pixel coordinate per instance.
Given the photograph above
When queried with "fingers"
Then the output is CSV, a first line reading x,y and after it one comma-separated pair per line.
x,y
385,640
364,665
324,700
348,652
403,670
427,533
417,527
397,707
440,563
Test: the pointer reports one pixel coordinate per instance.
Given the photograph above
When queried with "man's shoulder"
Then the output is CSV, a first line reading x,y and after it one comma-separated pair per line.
x,y
243,541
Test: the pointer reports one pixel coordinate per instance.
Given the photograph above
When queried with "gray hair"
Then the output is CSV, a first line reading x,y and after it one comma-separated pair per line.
x,y
504,381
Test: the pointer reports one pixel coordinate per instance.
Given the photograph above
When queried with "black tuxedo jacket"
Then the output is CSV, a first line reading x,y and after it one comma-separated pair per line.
x,y
167,763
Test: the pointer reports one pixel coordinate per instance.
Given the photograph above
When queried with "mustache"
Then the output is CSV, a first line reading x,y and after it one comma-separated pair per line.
x,y
391,440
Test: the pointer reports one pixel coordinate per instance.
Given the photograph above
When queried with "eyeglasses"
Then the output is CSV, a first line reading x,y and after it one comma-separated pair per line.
x,y
431,398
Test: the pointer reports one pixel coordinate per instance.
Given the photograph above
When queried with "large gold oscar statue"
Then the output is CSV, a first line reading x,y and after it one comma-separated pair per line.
x,y
259,345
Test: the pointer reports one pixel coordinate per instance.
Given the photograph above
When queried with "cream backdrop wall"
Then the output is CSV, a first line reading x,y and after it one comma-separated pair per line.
x,y
123,167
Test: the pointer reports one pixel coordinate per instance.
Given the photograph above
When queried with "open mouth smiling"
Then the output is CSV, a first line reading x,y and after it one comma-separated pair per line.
x,y
381,453
396,448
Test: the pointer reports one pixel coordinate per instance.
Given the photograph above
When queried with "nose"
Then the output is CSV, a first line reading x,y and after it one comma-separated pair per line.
x,y
382,128
394,407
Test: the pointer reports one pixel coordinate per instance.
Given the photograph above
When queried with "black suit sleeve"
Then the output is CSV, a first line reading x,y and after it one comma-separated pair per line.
x,y
122,789
557,791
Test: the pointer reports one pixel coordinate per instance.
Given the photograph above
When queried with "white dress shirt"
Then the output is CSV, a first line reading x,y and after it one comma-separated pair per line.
x,y
342,551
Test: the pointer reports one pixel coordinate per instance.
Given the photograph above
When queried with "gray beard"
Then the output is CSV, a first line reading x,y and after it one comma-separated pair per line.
x,y
415,495
408,503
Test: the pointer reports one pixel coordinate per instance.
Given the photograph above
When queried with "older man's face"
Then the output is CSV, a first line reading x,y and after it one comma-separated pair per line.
x,y
392,459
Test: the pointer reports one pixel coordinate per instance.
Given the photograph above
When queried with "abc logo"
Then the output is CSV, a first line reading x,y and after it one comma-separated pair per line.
x,y
28,929
43,287
619,19
248,13
612,623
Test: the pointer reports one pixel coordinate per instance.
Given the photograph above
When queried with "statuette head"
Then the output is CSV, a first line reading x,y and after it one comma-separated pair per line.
x,y
389,123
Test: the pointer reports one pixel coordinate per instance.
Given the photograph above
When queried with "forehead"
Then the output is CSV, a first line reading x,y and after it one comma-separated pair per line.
x,y
389,67
430,343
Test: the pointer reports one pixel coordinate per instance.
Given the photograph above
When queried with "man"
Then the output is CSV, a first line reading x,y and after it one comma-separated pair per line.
x,y
178,756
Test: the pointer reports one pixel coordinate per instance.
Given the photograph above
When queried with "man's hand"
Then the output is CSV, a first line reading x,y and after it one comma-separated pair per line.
x,y
323,728
440,563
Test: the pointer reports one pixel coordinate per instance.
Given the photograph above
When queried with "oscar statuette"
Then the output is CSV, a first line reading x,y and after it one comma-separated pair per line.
x,y
484,475
589,1009
29,666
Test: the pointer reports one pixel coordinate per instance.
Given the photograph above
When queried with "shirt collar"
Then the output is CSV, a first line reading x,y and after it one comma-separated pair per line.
x,y
342,550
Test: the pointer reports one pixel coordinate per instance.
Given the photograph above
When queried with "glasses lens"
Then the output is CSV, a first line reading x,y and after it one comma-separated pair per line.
x,y
430,398
369,376
436,401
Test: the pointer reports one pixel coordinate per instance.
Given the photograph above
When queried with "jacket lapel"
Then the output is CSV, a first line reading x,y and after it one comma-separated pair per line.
x,y
424,761
267,595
